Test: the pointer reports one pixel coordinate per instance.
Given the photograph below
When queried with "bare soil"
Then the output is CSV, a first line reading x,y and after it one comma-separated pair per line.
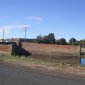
x,y
64,70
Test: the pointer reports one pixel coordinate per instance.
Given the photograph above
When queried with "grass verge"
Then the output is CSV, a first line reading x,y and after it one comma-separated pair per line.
x,y
42,65
26,59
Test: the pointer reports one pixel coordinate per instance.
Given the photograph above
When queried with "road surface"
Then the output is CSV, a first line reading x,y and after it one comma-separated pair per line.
x,y
16,75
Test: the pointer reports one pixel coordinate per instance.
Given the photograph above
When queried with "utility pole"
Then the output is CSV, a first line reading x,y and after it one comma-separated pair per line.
x,y
25,32
3,34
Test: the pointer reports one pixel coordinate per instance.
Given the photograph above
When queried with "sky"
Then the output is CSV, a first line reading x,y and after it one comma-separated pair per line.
x,y
64,18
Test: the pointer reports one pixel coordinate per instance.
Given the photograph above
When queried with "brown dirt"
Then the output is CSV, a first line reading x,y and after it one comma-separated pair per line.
x,y
57,70
5,48
51,49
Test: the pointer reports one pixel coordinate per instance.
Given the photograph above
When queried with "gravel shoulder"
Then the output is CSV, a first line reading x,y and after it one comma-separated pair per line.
x,y
60,70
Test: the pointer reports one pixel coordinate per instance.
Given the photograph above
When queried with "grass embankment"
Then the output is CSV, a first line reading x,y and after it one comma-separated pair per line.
x,y
37,61
28,59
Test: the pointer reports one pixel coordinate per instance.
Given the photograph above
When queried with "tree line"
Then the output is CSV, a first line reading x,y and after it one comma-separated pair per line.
x,y
50,39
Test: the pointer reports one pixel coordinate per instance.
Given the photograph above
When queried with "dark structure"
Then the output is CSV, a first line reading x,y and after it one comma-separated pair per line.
x,y
17,48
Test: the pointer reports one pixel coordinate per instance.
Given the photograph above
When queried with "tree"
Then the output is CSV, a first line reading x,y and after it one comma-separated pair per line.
x,y
49,39
82,42
61,41
57,41
72,41
39,39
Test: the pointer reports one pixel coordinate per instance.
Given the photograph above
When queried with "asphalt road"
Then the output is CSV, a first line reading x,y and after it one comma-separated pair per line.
x,y
15,75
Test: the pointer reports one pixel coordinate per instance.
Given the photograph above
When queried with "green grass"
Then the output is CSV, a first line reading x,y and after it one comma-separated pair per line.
x,y
26,59
30,60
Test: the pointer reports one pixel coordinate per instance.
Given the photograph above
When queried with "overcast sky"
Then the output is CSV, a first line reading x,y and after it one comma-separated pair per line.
x,y
64,18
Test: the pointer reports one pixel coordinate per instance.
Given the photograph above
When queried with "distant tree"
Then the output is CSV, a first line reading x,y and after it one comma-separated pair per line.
x,y
49,39
61,41
45,39
39,39
77,43
72,41
82,42
57,41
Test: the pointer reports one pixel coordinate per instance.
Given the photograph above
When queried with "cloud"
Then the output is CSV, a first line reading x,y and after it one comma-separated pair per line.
x,y
35,18
8,28
21,26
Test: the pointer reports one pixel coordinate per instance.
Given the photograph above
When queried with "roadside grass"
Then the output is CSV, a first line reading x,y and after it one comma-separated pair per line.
x,y
34,61
28,59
